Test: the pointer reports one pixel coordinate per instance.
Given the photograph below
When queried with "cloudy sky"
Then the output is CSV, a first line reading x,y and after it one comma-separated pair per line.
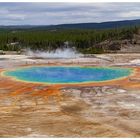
x,y
59,13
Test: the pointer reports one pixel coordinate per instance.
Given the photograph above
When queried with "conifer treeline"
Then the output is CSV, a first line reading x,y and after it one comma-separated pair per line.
x,y
82,40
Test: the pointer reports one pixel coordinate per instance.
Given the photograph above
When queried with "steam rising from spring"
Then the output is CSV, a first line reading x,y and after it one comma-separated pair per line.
x,y
58,53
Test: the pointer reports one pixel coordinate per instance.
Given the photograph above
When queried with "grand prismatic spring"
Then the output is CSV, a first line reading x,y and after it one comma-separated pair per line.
x,y
67,75
69,99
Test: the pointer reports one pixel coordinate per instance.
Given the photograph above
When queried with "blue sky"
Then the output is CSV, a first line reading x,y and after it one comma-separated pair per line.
x,y
60,13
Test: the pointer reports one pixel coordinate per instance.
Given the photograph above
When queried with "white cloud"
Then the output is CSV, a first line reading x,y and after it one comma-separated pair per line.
x,y
59,13
17,16
131,14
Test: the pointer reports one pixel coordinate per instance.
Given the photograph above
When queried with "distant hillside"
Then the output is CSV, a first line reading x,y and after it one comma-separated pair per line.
x,y
84,41
102,25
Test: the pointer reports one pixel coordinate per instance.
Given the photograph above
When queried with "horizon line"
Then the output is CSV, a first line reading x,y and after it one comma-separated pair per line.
x,y
70,23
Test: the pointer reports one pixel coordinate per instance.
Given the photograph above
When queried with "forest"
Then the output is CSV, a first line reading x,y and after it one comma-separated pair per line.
x,y
84,41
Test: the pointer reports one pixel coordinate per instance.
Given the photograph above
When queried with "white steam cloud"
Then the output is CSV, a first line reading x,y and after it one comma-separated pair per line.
x,y
58,53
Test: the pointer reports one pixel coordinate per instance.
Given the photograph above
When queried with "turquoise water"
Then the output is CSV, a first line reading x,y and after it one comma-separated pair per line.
x,y
61,74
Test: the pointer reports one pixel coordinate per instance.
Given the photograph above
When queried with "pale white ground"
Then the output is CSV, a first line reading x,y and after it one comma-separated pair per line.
x,y
101,59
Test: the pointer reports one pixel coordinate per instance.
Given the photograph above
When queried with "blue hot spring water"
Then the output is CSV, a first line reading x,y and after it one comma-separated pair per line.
x,y
67,75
